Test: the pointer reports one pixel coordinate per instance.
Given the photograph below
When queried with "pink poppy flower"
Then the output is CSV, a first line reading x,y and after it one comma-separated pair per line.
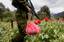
x,y
32,28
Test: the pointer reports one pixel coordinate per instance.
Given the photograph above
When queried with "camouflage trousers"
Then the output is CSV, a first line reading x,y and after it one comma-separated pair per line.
x,y
21,18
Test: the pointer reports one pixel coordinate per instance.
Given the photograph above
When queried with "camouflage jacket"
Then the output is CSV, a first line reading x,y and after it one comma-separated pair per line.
x,y
20,4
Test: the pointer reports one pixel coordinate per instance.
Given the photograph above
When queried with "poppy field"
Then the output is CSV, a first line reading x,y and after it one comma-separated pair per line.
x,y
51,31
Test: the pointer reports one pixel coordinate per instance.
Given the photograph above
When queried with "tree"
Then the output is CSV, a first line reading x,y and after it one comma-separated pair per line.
x,y
2,9
44,12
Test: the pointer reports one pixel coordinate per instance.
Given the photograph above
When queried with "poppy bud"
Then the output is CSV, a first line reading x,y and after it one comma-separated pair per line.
x,y
46,19
37,21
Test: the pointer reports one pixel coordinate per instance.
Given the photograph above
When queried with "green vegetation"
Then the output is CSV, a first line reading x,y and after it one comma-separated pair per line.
x,y
50,32
7,32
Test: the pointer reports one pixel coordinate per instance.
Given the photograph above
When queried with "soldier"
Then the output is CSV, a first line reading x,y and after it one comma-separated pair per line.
x,y
21,16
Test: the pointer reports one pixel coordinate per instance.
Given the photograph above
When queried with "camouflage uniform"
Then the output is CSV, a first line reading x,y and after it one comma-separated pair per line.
x,y
21,15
